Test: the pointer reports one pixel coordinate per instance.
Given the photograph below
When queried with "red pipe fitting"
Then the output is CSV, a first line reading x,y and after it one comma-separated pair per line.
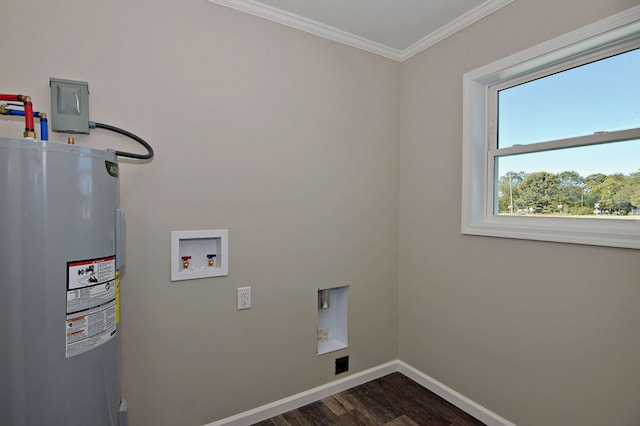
x,y
185,261
29,131
10,98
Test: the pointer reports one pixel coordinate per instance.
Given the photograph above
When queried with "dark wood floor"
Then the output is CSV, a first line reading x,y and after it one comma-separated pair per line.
x,y
392,400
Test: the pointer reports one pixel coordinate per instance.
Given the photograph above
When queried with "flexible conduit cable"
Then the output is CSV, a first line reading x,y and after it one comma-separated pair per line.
x,y
147,156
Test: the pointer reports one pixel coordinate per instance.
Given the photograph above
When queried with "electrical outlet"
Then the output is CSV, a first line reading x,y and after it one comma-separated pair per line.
x,y
244,298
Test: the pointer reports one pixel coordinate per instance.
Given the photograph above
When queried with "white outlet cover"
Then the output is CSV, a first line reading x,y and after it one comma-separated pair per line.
x,y
244,298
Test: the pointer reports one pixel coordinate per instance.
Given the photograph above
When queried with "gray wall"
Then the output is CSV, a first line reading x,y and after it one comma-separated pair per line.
x,y
298,146
288,140
540,333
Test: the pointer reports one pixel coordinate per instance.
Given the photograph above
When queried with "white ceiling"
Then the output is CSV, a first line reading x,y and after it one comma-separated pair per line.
x,y
396,29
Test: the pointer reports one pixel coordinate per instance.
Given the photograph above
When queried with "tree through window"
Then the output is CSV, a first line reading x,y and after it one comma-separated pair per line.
x,y
598,98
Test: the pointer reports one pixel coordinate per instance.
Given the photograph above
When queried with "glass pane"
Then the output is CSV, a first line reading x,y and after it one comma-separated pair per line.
x,y
599,96
597,180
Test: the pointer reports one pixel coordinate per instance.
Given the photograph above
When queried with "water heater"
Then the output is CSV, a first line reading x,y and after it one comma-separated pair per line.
x,y
59,290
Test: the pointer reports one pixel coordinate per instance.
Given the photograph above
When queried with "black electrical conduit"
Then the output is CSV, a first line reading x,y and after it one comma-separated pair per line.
x,y
147,156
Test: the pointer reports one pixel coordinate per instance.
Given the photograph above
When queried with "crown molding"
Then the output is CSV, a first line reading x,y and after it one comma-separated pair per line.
x,y
310,26
325,31
458,24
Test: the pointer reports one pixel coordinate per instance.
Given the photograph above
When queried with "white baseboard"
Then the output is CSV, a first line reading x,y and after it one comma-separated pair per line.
x,y
307,397
462,402
303,398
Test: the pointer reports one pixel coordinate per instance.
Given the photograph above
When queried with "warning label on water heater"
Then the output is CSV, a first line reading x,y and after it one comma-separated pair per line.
x,y
91,304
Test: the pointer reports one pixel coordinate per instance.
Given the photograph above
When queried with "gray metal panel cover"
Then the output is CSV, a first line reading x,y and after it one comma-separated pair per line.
x,y
69,106
58,206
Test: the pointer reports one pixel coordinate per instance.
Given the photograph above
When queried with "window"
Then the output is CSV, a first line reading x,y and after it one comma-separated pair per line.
x,y
552,139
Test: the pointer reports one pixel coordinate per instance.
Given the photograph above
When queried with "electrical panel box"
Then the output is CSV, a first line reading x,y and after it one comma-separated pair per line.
x,y
69,106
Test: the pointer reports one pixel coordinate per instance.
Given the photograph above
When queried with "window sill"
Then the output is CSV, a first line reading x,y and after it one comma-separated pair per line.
x,y
623,233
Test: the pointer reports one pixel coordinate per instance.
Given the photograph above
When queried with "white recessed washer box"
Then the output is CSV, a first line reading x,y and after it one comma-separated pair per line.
x,y
333,324
199,254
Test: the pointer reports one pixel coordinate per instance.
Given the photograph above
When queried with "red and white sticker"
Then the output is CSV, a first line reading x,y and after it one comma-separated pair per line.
x,y
91,304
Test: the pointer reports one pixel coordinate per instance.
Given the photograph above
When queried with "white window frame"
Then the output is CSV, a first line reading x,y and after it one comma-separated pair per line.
x,y
480,86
